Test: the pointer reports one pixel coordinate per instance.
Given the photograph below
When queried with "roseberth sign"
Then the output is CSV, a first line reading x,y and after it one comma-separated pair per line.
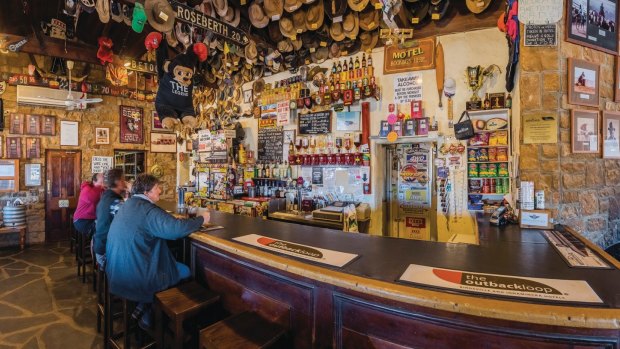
x,y
199,19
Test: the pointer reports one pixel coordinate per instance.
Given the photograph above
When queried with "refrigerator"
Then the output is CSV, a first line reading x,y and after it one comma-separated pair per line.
x,y
411,203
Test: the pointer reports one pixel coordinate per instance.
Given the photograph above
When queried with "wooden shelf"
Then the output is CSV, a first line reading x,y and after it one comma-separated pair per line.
x,y
485,177
491,131
488,162
495,194
487,146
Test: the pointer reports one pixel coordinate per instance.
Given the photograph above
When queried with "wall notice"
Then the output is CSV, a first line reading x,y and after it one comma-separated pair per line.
x,y
284,113
539,129
101,164
407,88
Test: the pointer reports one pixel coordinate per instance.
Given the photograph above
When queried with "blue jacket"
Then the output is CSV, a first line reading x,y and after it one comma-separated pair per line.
x,y
106,209
139,263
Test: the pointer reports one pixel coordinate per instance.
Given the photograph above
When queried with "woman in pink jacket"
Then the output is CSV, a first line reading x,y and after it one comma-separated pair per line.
x,y
86,211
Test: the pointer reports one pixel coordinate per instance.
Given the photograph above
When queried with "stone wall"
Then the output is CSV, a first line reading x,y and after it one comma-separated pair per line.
x,y
580,189
105,114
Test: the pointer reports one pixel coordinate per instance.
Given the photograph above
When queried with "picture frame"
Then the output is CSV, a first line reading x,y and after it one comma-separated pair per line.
x,y
69,133
348,121
16,124
248,95
583,81
498,100
131,124
156,124
163,142
585,130
48,125
610,134
589,23
617,80
33,148
102,135
33,175
13,147
33,125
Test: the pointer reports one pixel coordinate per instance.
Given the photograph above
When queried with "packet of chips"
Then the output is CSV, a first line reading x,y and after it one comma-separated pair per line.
x,y
502,154
502,137
492,154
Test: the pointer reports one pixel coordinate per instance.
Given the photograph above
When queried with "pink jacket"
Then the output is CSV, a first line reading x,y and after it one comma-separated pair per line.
x,y
87,203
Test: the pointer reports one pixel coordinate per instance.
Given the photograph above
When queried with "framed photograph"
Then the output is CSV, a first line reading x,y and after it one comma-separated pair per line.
x,y
163,142
131,124
13,147
33,148
33,175
156,125
583,78
69,133
248,95
611,135
348,121
498,100
592,23
584,131
33,124
16,125
48,125
102,135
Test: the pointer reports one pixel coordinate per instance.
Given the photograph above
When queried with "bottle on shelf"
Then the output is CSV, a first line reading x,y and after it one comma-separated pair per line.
x,y
339,68
364,60
334,68
289,170
357,62
351,63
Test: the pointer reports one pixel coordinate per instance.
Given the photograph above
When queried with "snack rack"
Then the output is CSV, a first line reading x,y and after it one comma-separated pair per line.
x,y
489,157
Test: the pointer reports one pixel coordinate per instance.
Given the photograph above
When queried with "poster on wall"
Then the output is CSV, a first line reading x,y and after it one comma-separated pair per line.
x,y
69,133
284,113
13,147
156,124
212,146
102,135
593,23
131,125
33,175
407,88
100,164
420,55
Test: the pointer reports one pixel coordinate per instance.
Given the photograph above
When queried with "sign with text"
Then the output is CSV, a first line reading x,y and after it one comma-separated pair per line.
x,y
556,290
198,19
315,123
539,129
419,55
407,88
100,164
315,254
284,113
540,11
142,67
270,142
541,35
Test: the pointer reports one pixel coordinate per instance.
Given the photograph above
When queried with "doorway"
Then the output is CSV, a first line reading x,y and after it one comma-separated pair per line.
x,y
63,174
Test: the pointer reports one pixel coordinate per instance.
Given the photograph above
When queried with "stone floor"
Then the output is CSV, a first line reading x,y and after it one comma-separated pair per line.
x,y
43,304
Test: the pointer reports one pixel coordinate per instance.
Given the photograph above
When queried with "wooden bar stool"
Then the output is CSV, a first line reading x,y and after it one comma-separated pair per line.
x,y
101,297
72,235
84,255
178,304
246,330
122,339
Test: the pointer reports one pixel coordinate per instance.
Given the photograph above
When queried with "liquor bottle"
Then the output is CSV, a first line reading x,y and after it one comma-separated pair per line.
x,y
344,66
263,170
289,170
369,60
508,103
267,171
351,63
339,68
256,171
364,60
231,175
357,62
334,68
291,147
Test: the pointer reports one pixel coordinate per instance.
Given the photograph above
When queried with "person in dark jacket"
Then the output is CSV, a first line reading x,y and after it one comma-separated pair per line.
x,y
139,263
110,202
85,215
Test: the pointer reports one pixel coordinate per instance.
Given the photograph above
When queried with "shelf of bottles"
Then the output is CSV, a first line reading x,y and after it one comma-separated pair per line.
x,y
325,150
289,89
350,82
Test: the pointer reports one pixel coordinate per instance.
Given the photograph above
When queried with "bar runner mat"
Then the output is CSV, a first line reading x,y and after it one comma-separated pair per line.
x,y
574,252
311,253
210,227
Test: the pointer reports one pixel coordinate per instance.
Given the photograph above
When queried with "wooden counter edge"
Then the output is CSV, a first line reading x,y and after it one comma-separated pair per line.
x,y
556,315
608,258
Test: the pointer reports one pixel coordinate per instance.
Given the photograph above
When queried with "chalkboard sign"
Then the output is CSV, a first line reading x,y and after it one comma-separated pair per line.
x,y
315,123
541,35
270,143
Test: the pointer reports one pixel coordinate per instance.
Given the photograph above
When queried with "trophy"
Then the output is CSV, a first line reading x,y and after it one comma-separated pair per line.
x,y
476,77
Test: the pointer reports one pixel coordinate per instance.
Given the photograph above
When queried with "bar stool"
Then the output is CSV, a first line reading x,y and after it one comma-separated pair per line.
x,y
72,235
84,255
176,305
246,330
113,339
102,290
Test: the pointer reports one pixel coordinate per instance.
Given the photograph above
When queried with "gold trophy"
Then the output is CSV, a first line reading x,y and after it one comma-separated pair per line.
x,y
476,77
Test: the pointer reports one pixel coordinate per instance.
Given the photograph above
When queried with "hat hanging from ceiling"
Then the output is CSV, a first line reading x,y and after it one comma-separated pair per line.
x,y
258,86
350,47
230,14
257,15
299,21
220,7
287,27
127,14
315,15
274,8
139,18
171,39
419,12
314,71
103,10
291,6
439,8
357,5
160,14
274,32
336,32
369,40
369,19
236,19
116,11
310,40
335,9
320,55
258,71
351,25
297,44
182,33
70,7
88,5
205,7
250,51
334,50
477,6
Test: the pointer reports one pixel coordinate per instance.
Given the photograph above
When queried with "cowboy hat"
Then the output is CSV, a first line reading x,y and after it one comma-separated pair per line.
x,y
257,15
369,40
291,6
103,10
171,39
357,5
477,6
206,7
116,12
315,71
310,40
299,21
315,15
439,8
127,14
258,86
336,32
88,5
320,55
297,44
257,71
220,6
350,47
418,11
230,14
238,79
351,25
287,28
182,33
335,9
334,50
250,50
273,29
246,74
369,19
274,8
285,46
236,19
160,14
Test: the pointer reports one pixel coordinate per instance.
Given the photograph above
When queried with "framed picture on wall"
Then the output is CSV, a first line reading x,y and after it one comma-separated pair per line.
x,y
593,23
102,135
13,147
33,148
16,125
583,79
156,125
610,131
33,175
584,131
247,96
617,80
48,125
33,124
131,125
163,142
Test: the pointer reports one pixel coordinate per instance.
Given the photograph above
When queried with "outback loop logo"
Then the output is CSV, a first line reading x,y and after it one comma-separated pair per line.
x,y
290,247
495,282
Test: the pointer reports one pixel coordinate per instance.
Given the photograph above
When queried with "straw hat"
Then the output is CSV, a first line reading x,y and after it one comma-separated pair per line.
x,y
439,8
315,15
297,44
206,7
274,8
285,46
257,71
287,28
334,50
336,31
274,32
160,15
320,55
291,6
357,5
220,6
250,50
335,8
257,15
299,21
310,40
369,20
350,47
369,40
351,25
477,6
171,39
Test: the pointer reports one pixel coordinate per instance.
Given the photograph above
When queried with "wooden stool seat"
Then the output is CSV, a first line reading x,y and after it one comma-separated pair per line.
x,y
179,304
246,330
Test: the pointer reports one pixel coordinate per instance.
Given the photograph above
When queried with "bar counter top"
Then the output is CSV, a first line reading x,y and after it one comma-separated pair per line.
x,y
507,250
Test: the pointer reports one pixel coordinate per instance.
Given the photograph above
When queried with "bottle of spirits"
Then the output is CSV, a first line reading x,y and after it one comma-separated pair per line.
x,y
508,103
357,62
267,171
350,63
334,68
289,170
364,60
339,68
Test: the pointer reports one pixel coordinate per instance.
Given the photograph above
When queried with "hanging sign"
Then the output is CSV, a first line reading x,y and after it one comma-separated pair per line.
x,y
420,55
541,35
540,11
11,42
200,20
407,88
502,285
100,164
142,67
315,123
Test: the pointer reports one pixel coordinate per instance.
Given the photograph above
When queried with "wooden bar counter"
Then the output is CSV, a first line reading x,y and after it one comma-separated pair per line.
x,y
361,305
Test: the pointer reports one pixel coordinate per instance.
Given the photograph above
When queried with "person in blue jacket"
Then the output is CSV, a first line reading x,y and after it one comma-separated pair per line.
x,y
139,263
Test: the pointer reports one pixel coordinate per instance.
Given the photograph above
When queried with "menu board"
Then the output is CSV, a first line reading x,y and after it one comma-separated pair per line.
x,y
270,143
540,35
315,123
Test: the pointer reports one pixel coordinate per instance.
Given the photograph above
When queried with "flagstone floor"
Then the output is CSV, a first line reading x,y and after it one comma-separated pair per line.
x,y
43,304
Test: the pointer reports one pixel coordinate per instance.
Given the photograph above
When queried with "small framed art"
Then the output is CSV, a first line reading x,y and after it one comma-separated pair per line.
x,y
33,148
33,124
16,125
13,147
592,23
610,131
585,131
163,142
102,135
583,79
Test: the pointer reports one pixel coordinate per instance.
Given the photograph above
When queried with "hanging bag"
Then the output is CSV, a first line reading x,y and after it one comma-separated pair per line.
x,y
464,129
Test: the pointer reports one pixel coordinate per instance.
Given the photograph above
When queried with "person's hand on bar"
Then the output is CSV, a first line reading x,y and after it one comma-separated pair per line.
x,y
206,216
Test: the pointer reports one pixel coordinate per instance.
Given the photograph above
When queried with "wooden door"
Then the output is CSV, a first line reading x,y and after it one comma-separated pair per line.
x,y
62,188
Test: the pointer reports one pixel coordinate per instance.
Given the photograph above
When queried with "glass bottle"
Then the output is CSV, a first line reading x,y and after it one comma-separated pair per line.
x,y
334,68
351,63
339,68
357,62
364,60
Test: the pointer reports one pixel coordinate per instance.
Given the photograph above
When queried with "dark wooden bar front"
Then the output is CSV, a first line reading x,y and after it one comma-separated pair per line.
x,y
360,305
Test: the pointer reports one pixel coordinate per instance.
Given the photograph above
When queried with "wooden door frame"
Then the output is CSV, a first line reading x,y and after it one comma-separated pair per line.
x,y
46,188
